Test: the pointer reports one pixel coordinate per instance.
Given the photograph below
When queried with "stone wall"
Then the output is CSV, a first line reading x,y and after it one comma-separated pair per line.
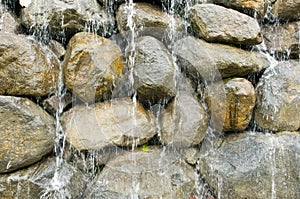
x,y
152,99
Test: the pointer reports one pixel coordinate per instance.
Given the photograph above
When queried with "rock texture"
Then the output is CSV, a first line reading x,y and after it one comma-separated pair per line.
x,y
153,71
278,98
208,61
43,180
215,23
236,110
287,10
144,174
64,18
27,133
254,166
26,68
184,122
283,40
118,122
92,66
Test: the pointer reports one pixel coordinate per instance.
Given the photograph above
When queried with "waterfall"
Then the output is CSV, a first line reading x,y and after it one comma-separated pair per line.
x,y
149,99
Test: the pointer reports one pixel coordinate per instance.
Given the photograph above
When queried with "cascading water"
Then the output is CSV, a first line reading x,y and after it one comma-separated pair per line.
x,y
160,165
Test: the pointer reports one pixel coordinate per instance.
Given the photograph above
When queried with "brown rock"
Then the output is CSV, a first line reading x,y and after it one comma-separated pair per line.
x,y
118,122
27,133
92,66
240,100
238,107
26,68
217,24
286,9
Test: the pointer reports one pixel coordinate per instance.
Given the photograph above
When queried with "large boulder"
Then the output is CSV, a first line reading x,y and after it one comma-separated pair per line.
x,y
27,133
255,8
153,71
278,98
254,165
119,122
287,10
26,68
236,110
208,61
154,173
184,122
64,18
282,40
45,179
215,23
92,66
148,20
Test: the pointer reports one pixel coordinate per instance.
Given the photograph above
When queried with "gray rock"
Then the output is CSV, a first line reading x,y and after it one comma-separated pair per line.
x,y
144,174
208,61
288,10
64,18
43,180
278,98
191,155
119,122
283,39
27,133
215,23
236,110
8,21
88,162
153,71
54,103
125,88
185,85
254,165
57,48
184,122
26,68
92,66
